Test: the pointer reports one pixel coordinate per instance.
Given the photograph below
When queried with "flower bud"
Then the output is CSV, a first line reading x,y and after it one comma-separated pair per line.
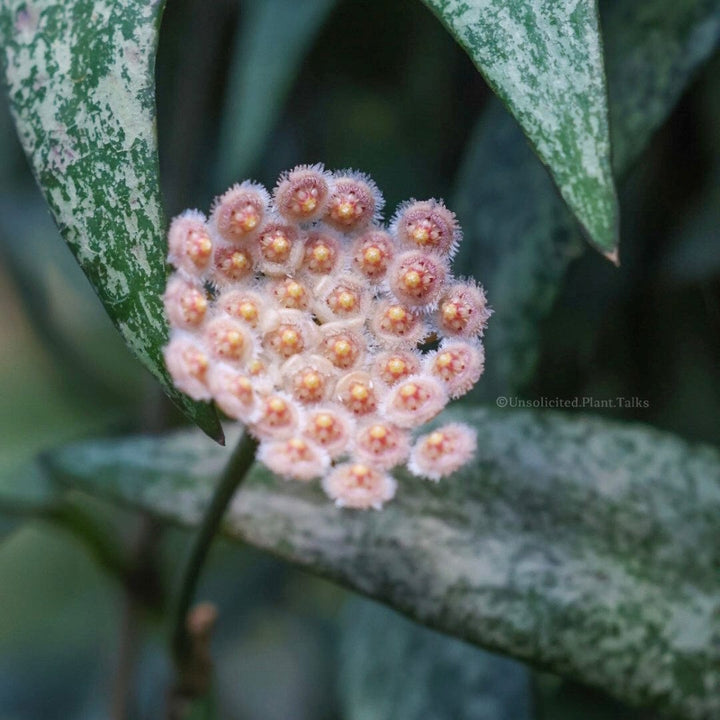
x,y
343,347
290,293
463,310
232,264
342,298
279,417
372,254
294,459
354,202
242,305
186,304
414,401
301,195
189,244
288,333
309,379
228,340
234,393
359,486
417,278
392,367
331,427
458,365
443,451
381,445
322,252
188,362
395,325
238,214
280,249
357,393
427,225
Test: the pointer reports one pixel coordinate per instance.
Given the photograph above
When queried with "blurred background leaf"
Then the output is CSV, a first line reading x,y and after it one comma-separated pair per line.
x,y
393,669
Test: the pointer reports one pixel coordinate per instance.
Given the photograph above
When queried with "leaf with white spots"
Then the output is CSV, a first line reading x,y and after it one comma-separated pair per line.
x,y
586,547
544,59
80,81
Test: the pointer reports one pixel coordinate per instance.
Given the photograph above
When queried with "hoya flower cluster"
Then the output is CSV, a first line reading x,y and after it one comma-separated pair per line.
x,y
330,336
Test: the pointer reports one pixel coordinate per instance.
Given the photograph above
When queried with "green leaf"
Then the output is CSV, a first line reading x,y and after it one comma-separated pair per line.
x,y
519,236
545,61
261,76
393,669
80,82
587,547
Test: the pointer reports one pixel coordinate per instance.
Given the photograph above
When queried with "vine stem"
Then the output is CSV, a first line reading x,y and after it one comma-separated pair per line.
x,y
234,473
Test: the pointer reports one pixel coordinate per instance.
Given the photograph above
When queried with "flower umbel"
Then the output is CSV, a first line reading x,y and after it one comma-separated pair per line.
x,y
303,317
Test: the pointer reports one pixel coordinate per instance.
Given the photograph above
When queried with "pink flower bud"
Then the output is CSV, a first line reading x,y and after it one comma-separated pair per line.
x,y
301,195
359,486
188,362
458,365
242,305
414,401
238,214
372,254
417,278
309,379
343,347
280,249
354,201
331,427
391,367
294,459
428,225
357,393
189,244
186,304
234,393
232,264
463,310
381,444
228,340
279,417
321,252
443,451
288,333
342,298
395,325
290,293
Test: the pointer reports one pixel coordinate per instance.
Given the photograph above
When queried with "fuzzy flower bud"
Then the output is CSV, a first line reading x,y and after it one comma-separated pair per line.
x,y
238,214
415,401
463,310
321,253
354,201
392,367
357,393
188,363
234,393
242,305
458,365
331,427
428,225
443,451
228,340
189,244
231,264
295,458
279,417
395,325
186,304
301,195
372,254
280,248
417,278
359,486
382,445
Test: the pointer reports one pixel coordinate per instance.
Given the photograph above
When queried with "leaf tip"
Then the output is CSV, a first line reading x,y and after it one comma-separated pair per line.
x,y
613,256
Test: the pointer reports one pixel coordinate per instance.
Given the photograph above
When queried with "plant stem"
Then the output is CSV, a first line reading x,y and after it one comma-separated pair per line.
x,y
234,473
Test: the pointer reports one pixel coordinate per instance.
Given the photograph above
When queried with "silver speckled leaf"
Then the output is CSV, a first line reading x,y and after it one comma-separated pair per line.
x,y
80,80
544,59
587,547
